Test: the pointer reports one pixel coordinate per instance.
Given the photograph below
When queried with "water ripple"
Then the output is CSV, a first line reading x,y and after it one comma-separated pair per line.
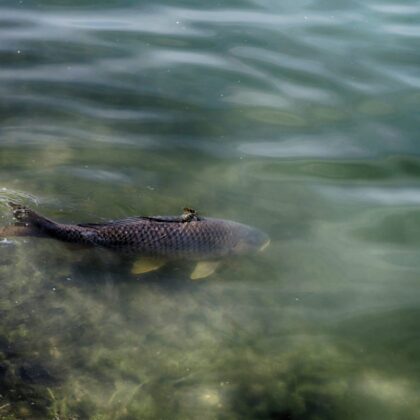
x,y
306,148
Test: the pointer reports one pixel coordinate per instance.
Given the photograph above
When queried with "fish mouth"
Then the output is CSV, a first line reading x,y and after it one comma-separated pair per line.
x,y
264,245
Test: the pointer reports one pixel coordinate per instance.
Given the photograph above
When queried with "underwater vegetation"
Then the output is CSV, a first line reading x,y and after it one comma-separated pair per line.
x,y
80,341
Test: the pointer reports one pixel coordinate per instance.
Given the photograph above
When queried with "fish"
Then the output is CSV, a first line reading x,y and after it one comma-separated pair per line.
x,y
154,240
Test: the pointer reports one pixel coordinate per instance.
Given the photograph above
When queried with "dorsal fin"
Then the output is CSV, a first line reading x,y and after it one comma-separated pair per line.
x,y
135,219
119,222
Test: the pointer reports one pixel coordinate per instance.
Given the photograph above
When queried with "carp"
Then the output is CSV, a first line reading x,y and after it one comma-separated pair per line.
x,y
155,240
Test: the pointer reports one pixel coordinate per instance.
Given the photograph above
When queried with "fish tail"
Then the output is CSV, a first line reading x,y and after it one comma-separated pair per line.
x,y
29,217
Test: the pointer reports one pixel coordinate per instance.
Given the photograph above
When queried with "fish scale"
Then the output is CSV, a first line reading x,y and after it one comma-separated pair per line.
x,y
204,237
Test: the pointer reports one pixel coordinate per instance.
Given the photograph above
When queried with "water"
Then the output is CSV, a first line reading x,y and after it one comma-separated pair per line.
x,y
300,118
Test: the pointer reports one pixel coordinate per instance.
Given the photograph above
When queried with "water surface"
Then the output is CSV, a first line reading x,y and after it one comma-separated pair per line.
x,y
300,118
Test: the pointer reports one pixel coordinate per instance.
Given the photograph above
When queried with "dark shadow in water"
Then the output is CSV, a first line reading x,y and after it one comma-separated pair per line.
x,y
95,269
25,380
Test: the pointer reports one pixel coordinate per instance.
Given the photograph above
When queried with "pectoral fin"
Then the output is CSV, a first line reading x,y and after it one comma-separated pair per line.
x,y
204,269
144,265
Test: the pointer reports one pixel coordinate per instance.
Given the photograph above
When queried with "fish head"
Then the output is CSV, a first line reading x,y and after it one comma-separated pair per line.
x,y
250,240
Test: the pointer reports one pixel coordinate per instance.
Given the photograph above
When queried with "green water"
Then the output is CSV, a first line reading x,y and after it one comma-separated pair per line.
x,y
297,117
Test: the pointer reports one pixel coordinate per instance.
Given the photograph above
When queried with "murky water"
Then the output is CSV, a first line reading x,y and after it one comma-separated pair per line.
x,y
300,118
